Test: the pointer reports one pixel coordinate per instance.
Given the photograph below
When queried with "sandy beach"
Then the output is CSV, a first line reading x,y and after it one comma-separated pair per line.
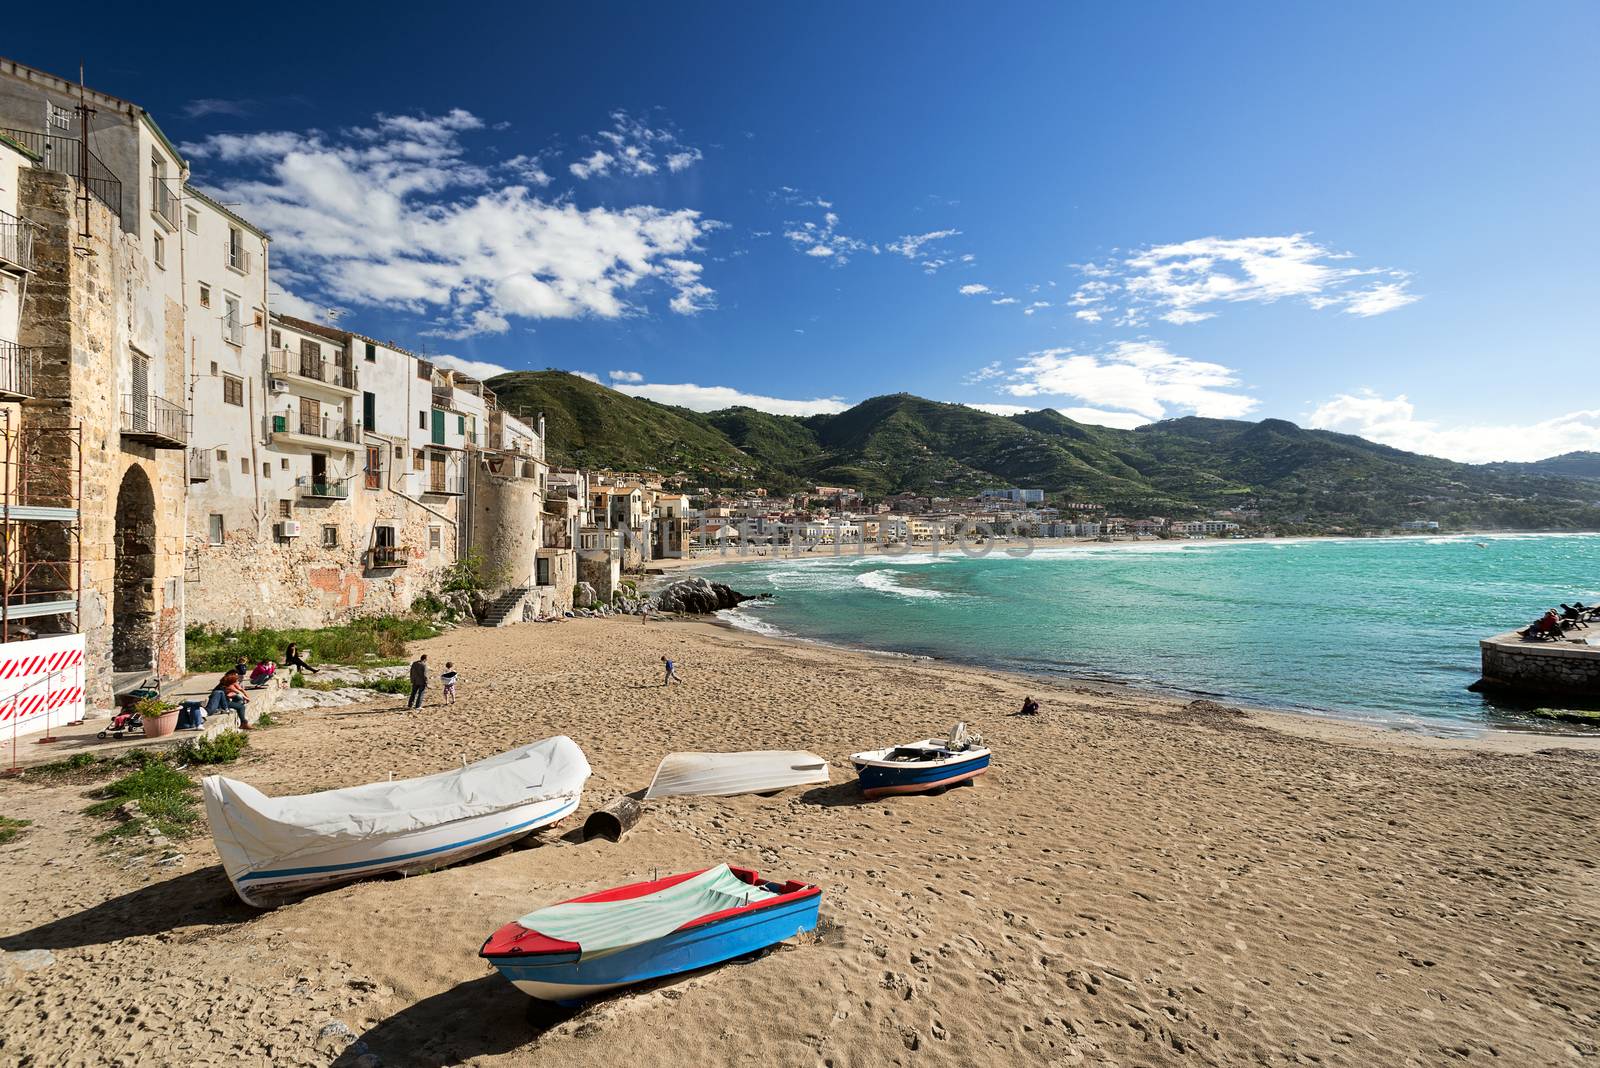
x,y
1138,881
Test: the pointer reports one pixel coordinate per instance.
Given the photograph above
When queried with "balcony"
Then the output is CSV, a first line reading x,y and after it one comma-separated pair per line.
x,y
163,205
314,371
200,465
322,491
16,243
16,371
324,432
61,154
445,486
238,258
154,421
381,557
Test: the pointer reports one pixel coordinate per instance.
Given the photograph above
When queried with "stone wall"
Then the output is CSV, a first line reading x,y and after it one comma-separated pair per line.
x,y
1542,667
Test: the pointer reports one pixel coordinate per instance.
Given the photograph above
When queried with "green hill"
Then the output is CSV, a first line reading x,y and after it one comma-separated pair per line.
x,y
1180,467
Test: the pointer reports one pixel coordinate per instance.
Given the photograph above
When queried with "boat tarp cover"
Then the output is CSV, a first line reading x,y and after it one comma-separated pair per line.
x,y
725,774
275,828
601,927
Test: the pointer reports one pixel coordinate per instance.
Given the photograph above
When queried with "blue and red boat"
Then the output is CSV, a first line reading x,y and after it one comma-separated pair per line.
x,y
630,934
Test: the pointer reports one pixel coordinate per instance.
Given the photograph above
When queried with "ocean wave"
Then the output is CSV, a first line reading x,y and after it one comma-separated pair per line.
x,y
755,625
885,582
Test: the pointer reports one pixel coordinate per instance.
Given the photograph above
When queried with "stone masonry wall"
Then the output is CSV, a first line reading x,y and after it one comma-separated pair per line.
x,y
1551,668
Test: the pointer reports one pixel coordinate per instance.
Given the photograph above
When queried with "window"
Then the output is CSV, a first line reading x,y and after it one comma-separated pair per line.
x,y
416,460
266,469
60,118
232,324
330,537
232,389
374,470
284,463
214,529
369,410
277,339
422,420
238,258
425,370
213,368
399,452
285,509
193,222
244,465
160,247
461,425
372,353
435,538
205,295
222,454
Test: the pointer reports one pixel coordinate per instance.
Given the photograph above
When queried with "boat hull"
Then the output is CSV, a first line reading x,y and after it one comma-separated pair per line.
x,y
882,780
408,853
567,979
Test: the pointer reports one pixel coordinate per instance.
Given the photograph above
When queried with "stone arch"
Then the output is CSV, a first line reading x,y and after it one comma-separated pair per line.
x,y
133,610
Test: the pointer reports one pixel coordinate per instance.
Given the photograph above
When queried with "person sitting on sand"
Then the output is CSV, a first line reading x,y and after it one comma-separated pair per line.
x,y
292,659
1030,707
672,672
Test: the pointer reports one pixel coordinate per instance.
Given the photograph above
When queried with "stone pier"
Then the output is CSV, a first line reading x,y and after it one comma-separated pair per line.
x,y
1569,668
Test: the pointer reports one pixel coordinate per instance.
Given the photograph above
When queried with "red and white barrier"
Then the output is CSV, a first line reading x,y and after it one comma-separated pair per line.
x,y
41,684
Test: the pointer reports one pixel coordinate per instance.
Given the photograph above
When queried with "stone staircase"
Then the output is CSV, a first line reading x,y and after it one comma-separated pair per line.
x,y
506,608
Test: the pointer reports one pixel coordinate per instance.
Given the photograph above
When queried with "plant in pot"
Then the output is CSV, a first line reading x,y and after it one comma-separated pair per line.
x,y
160,717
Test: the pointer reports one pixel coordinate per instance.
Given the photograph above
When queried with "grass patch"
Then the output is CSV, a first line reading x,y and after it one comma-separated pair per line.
x,y
166,800
222,748
266,720
10,828
397,685
362,642
86,767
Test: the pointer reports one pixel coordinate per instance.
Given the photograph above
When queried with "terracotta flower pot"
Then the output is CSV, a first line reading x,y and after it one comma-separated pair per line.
x,y
162,725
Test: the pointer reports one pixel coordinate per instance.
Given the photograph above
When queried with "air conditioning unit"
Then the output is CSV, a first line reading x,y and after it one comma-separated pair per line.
x,y
289,528
277,385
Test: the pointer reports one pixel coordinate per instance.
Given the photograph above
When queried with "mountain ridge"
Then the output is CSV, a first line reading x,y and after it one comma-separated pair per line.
x,y
901,443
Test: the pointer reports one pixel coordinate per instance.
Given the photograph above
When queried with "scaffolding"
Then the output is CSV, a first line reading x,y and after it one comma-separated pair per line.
x,y
41,529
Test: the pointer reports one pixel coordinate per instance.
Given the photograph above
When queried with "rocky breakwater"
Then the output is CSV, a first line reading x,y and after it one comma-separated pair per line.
x,y
699,596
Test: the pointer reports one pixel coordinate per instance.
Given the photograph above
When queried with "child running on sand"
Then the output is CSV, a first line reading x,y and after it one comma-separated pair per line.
x,y
449,679
672,672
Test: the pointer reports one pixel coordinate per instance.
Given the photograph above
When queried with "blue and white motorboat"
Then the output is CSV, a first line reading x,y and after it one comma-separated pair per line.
x,y
922,767
577,949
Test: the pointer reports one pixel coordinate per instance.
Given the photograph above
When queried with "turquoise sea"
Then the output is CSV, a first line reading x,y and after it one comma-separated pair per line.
x,y
1378,629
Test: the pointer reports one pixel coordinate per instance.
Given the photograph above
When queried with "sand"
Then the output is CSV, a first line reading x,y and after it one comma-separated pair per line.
x,y
1138,881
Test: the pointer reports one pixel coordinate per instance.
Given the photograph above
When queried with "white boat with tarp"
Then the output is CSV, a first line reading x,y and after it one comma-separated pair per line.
x,y
276,848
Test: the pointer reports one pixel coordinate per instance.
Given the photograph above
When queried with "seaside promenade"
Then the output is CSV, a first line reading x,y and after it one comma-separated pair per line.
x,y
1138,881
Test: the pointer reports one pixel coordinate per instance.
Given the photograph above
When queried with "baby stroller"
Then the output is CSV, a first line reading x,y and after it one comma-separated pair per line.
x,y
124,723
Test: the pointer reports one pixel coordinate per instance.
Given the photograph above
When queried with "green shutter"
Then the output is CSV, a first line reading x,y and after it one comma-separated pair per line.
x,y
369,411
438,427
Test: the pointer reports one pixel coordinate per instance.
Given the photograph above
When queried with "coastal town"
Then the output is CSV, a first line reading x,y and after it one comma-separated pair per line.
x,y
350,716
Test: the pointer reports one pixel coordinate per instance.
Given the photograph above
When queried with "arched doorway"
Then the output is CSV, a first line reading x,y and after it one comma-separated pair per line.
x,y
133,610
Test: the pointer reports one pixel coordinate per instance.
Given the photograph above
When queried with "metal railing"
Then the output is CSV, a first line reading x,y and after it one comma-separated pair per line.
x,y
386,556
61,154
238,258
162,202
327,491
154,418
315,368
16,241
446,485
16,369
325,428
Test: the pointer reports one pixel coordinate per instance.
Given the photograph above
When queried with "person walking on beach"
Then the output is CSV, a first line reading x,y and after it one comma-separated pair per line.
x,y
672,675
419,681
448,677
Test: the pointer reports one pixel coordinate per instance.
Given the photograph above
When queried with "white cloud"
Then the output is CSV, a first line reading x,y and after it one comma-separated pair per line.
x,y
984,373
1004,300
1132,379
713,398
395,215
821,241
973,289
1088,315
630,148
910,245
1393,421
1173,281
626,376
1101,417
479,369
587,376
997,409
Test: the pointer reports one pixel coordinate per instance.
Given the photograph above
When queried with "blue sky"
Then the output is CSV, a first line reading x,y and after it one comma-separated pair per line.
x,y
1376,218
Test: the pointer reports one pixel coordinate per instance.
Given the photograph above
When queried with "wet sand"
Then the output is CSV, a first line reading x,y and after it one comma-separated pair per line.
x,y
1138,881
